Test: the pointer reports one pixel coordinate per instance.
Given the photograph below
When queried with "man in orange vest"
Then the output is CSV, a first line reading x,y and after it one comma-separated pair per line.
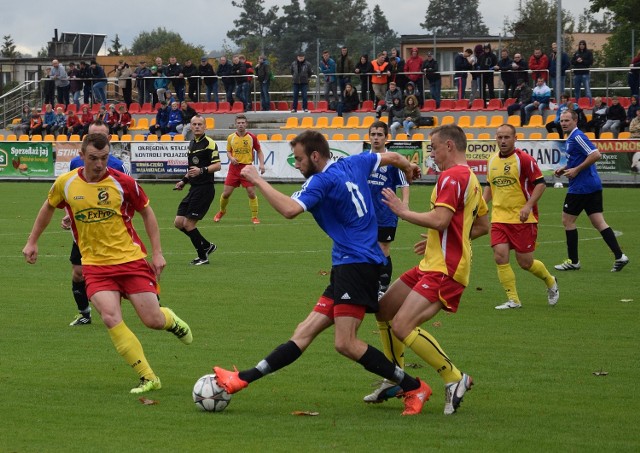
x,y
380,76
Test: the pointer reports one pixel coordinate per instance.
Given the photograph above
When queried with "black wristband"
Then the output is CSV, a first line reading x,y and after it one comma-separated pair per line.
x,y
204,170
185,180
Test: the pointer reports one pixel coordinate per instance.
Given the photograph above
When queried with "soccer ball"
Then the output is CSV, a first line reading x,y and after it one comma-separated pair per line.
x,y
558,185
209,396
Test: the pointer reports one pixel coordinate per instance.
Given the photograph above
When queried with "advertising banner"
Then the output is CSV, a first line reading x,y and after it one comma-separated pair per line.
x,y
26,159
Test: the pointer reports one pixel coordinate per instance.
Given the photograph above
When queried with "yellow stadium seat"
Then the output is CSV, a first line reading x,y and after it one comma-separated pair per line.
x,y
354,136
276,137
23,138
290,137
535,121
138,138
353,122
519,136
606,135
152,138
1,137
125,138
337,136
326,136
115,138
61,138
514,120
553,136
469,135
14,138
385,119
142,124
550,119
535,136
165,138
178,138
418,136
322,123
496,121
590,135
337,122
74,138
480,121
484,136
49,138
15,121
448,119
367,121
262,137
402,136
292,123
210,123
464,121
307,122
36,138
624,134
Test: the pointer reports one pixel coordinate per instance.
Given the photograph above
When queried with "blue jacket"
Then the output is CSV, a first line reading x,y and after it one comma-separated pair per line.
x,y
175,117
162,117
328,68
564,64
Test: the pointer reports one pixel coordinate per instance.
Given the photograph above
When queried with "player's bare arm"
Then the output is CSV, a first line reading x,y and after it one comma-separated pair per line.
x,y
480,227
590,160
153,231
30,250
531,202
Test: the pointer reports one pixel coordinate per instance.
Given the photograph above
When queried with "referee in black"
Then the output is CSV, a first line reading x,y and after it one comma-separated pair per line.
x,y
203,162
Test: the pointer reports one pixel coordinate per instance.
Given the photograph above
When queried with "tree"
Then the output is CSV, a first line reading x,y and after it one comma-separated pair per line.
x,y
163,43
535,27
114,50
625,18
286,32
386,38
253,27
587,23
454,18
9,48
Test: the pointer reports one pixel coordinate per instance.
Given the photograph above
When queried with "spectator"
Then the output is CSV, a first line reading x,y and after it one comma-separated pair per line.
x,y
582,60
631,111
476,77
174,72
61,80
48,119
301,72
124,121
113,119
554,126
410,117
160,85
399,77
141,75
392,92
162,120
539,64
410,90
263,72
22,127
187,113
634,75
239,70
75,84
85,118
616,116
328,69
505,66
462,64
430,69
123,73
225,72
210,80
598,116
380,76
175,117
190,72
396,116
520,68
634,126
413,70
363,70
539,101
49,87
99,80
87,89
487,63
522,93
74,124
35,124
59,122
344,67
565,64
350,100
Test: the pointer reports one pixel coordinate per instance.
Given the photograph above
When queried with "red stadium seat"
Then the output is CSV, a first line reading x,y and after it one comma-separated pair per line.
x,y
477,104
447,104
224,107
494,104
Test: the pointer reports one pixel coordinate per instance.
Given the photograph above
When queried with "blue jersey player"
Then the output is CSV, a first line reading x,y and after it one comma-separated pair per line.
x,y
388,177
584,194
336,194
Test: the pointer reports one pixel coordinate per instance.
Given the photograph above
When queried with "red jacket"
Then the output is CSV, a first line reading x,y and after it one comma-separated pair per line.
x,y
537,64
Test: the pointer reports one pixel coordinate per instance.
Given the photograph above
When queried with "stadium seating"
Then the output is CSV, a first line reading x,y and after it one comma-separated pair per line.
x,y
418,136
141,124
469,135
402,136
307,122
494,104
262,137
337,136
624,135
553,136
134,108
290,137
115,138
464,121
207,107
337,122
585,103
535,121
74,138
125,138
606,135
224,107
367,121
448,119
210,123
36,137
165,138
354,136
292,123
283,106
23,138
447,104
509,101
12,138
514,120
353,122
138,138
477,104
237,107
480,122
496,121
367,106
429,105
322,122
322,107
276,137
484,136
535,136
461,104
152,138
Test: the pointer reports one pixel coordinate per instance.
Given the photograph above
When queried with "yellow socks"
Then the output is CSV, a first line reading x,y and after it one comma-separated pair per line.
x,y
168,316
253,206
129,347
392,347
508,281
428,349
223,204
539,270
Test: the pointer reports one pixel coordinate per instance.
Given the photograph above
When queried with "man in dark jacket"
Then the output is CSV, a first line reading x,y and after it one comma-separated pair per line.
x,y
301,72
190,72
462,65
564,65
208,75
430,69
488,61
263,72
225,72
582,60
506,73
174,72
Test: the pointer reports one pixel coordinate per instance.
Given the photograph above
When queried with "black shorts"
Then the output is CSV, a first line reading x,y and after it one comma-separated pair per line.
x,y
355,284
197,202
575,203
386,234
75,257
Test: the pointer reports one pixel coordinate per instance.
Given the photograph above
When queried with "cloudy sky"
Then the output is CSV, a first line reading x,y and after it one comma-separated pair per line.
x,y
197,21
